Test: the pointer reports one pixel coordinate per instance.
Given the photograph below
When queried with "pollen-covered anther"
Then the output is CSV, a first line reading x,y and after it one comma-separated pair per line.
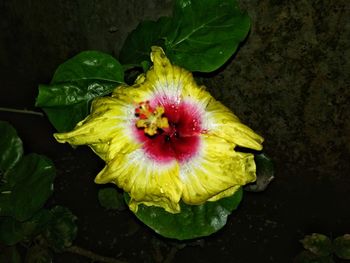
x,y
150,119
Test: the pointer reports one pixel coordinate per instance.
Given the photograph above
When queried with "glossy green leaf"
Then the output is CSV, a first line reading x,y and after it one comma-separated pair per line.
x,y
13,231
28,185
318,244
10,254
137,46
200,36
62,229
110,198
194,220
75,83
39,254
73,92
205,33
89,65
11,149
342,246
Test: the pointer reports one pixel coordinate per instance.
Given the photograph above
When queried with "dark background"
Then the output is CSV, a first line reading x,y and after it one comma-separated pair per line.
x,y
289,82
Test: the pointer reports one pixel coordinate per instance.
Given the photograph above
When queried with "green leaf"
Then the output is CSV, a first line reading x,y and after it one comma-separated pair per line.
x,y
73,92
318,244
193,221
29,184
10,255
38,254
75,83
89,65
309,257
36,224
13,231
200,36
205,33
65,118
110,198
62,229
137,46
342,246
11,149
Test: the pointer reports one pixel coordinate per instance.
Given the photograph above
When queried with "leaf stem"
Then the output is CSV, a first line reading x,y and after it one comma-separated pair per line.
x,y
91,255
25,111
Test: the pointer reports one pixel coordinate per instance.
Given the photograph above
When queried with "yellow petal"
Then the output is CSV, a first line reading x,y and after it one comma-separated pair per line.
x,y
109,118
130,95
217,171
172,82
163,80
146,181
223,123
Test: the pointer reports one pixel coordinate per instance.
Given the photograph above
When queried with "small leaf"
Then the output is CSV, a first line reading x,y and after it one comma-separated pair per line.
x,y
342,246
193,221
29,184
75,83
36,224
11,149
62,229
110,198
309,257
13,231
10,255
38,254
318,244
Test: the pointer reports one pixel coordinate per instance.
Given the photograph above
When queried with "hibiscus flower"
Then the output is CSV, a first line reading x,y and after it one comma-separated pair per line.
x,y
166,139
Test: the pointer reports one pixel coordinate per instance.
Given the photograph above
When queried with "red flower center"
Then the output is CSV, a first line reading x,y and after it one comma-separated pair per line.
x,y
179,139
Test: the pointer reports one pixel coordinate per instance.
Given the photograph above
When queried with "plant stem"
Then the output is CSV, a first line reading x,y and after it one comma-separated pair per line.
x,y
91,255
22,111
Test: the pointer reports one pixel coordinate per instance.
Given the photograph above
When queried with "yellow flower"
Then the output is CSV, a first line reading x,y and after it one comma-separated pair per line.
x,y
166,139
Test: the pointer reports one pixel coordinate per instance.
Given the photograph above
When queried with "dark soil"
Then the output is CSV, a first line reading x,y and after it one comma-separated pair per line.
x,y
289,82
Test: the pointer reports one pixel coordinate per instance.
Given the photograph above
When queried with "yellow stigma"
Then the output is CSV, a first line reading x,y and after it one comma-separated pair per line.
x,y
150,119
